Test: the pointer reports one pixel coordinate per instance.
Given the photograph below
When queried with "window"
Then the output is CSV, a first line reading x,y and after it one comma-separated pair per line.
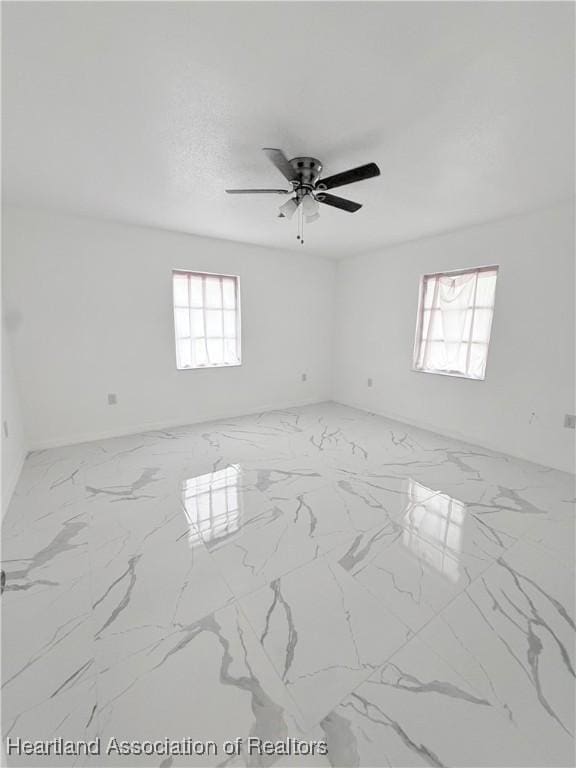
x,y
206,319
454,322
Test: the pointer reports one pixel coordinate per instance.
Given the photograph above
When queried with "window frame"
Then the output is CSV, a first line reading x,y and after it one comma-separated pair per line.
x,y
198,273
420,320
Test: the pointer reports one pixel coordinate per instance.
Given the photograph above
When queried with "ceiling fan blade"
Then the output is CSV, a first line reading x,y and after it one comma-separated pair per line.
x,y
258,191
279,159
338,202
349,177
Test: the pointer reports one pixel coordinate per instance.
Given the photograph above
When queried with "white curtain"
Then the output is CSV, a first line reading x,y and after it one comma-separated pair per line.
x,y
455,321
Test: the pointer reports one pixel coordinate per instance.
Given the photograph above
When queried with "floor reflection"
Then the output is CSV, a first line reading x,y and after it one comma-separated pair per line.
x,y
212,504
433,530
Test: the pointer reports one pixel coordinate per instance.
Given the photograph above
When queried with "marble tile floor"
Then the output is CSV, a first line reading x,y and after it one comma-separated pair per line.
x,y
318,574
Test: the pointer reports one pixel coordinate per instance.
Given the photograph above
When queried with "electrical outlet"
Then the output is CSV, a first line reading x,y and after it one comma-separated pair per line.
x,y
370,382
570,421
304,377
5,427
112,398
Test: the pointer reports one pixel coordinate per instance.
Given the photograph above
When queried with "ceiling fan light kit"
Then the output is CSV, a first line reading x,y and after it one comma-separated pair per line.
x,y
288,209
308,190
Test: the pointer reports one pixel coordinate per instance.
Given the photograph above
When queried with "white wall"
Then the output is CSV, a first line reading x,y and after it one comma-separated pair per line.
x,y
519,409
88,305
91,306
13,443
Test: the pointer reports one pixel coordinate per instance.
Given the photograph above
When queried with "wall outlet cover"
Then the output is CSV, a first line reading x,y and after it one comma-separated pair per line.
x,y
370,382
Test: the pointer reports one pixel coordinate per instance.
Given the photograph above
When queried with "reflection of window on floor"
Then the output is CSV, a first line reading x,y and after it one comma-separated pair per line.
x,y
434,527
212,504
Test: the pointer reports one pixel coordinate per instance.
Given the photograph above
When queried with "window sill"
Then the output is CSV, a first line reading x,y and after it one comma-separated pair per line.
x,y
454,375
209,367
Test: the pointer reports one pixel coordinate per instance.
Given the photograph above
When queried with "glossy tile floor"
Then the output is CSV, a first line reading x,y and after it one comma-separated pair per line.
x,y
319,573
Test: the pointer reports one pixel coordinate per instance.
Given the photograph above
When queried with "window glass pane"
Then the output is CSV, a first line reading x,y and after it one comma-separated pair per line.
x,y
230,323
478,354
425,323
182,323
229,290
213,322
468,324
200,352
455,325
446,324
215,351
196,291
184,353
482,322
429,291
455,356
459,358
436,326
486,289
180,290
197,320
419,361
435,356
231,351
213,293
446,356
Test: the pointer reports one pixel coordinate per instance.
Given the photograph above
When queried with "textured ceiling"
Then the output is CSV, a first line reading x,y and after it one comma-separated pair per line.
x,y
146,112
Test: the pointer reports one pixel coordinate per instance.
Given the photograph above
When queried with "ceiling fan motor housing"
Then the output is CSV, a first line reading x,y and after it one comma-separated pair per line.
x,y
307,170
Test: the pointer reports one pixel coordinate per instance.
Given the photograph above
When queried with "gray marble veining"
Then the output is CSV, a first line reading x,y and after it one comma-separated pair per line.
x,y
317,573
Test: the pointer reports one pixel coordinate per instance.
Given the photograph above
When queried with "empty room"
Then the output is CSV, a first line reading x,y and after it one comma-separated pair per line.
x,y
288,387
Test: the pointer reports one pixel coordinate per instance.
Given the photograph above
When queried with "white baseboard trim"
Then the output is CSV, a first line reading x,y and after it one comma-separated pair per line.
x,y
449,433
137,429
9,484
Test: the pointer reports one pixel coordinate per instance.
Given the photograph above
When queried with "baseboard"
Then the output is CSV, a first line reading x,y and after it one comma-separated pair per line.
x,y
168,424
40,445
453,434
9,485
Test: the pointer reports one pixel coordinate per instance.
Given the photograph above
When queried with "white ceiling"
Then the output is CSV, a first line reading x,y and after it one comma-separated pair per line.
x,y
145,112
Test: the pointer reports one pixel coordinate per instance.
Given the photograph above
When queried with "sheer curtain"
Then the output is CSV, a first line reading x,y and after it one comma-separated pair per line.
x,y
454,323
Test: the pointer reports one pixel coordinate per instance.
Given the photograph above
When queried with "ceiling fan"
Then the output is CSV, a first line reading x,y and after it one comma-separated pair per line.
x,y
308,190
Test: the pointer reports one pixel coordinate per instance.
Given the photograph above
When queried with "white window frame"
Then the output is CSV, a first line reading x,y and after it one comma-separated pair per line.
x,y
208,366
420,320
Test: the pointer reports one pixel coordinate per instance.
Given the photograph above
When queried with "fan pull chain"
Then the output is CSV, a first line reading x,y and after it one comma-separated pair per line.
x,y
298,221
